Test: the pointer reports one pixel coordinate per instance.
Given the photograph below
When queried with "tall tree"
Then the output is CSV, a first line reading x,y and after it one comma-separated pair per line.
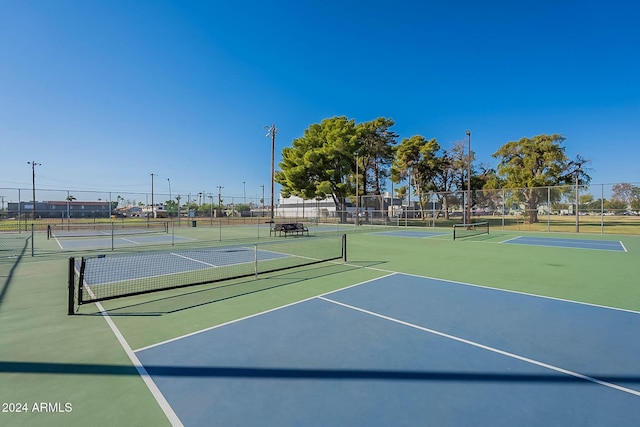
x,y
531,163
623,192
376,142
416,159
449,169
627,193
320,163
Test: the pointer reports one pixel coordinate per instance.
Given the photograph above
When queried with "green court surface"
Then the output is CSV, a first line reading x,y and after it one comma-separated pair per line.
x,y
61,370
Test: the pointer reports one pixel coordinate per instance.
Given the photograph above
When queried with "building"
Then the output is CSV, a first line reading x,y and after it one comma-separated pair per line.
x,y
61,209
369,206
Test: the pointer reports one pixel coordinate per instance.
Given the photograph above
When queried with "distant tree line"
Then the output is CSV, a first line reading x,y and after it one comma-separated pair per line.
x,y
335,155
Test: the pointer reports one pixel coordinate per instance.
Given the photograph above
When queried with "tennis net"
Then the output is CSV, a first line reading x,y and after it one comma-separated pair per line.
x,y
105,229
468,230
102,277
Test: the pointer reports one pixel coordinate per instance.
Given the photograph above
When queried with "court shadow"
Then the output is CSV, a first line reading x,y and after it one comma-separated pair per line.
x,y
321,374
367,264
215,293
8,278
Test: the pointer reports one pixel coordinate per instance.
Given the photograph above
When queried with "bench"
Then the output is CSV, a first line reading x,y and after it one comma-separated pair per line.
x,y
296,228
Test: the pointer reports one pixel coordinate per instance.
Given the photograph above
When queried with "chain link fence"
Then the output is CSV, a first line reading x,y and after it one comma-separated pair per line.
x,y
600,208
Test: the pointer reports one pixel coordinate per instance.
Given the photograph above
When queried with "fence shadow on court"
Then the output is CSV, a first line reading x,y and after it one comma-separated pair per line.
x,y
17,257
323,374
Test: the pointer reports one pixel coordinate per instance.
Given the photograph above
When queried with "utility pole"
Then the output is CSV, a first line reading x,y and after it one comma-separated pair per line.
x,y
33,181
357,220
219,198
272,132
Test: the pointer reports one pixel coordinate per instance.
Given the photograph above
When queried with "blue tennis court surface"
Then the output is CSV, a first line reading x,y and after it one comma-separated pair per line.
x,y
601,245
404,351
117,241
410,233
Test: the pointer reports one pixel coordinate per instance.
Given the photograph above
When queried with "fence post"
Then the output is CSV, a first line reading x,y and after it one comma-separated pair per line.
x,y
548,209
602,209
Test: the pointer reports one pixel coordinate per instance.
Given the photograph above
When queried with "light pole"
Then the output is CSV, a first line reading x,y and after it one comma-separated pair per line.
x,y
469,178
153,206
577,201
244,191
178,197
219,199
357,195
406,218
33,181
272,132
170,200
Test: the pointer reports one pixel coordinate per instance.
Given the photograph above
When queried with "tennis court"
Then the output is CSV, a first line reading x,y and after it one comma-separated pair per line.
x,y
406,350
89,243
407,331
75,237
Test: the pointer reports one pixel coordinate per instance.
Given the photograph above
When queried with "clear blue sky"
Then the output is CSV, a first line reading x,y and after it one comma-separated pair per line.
x,y
103,93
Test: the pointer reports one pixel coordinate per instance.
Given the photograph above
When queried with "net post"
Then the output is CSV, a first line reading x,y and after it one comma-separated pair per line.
x,y
83,263
255,259
48,231
344,247
71,286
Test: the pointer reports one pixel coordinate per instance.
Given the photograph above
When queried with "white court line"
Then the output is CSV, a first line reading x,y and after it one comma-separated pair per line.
x,y
58,242
151,385
583,248
255,315
388,274
193,259
234,263
510,291
129,240
486,347
508,240
594,245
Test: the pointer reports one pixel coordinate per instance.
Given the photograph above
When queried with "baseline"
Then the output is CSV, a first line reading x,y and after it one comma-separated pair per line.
x,y
603,245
